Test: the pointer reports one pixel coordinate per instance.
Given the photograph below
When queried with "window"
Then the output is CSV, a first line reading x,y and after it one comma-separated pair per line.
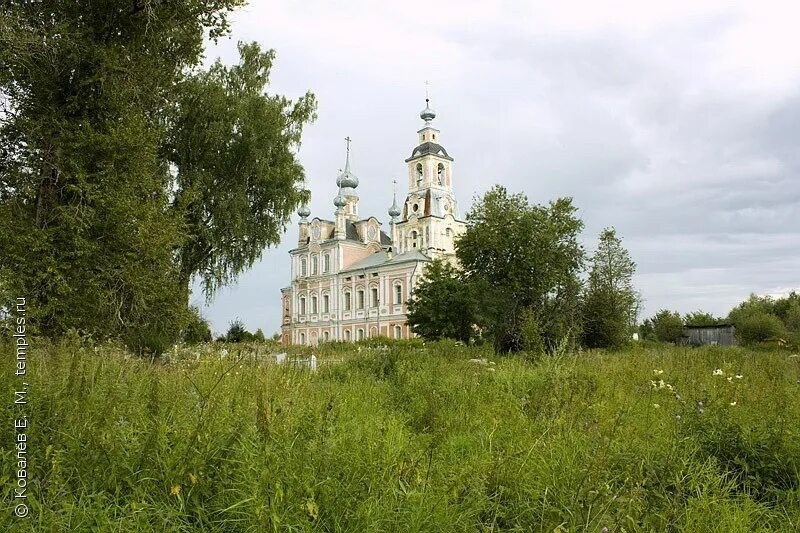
x,y
303,267
413,239
326,336
348,335
440,174
302,305
302,338
326,263
398,332
398,294
360,298
374,296
419,174
314,305
314,265
347,302
360,335
326,303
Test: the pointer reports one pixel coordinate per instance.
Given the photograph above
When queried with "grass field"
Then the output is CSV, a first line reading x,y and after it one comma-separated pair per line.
x,y
408,438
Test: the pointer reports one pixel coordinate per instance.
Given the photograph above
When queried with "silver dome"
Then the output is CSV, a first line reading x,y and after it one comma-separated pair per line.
x,y
340,200
427,114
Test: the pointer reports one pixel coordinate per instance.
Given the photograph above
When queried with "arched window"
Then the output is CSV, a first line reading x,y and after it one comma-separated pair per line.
x,y
314,265
302,338
326,263
326,303
360,335
347,301
303,267
440,174
302,305
348,335
360,299
314,305
373,295
414,239
419,174
398,294
326,336
398,332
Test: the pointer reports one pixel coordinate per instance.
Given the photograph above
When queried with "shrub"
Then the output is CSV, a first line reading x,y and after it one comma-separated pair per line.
x,y
758,327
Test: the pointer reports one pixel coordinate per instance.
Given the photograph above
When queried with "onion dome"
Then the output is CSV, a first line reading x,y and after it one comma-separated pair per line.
x,y
394,210
347,180
340,201
427,114
304,211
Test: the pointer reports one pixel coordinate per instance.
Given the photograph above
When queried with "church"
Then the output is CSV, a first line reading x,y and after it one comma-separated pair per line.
x,y
350,279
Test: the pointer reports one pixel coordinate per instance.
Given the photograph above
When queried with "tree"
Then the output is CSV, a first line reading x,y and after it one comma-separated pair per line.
x,y
237,332
667,325
443,305
700,318
237,176
258,336
524,262
610,302
197,329
111,197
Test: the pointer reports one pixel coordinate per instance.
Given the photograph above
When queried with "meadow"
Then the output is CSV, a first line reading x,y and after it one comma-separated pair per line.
x,y
407,437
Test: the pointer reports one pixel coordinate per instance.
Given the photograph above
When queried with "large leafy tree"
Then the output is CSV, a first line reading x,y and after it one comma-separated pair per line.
x,y
611,302
443,304
237,174
96,192
526,260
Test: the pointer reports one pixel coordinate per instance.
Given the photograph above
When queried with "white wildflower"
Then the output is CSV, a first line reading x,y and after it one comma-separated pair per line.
x,y
658,372
733,403
730,379
739,376
656,405
717,372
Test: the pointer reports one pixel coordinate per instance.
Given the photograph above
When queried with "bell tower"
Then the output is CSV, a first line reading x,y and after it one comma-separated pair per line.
x,y
429,221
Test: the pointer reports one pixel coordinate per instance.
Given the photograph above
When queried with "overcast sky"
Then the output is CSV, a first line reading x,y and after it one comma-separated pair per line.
x,y
677,123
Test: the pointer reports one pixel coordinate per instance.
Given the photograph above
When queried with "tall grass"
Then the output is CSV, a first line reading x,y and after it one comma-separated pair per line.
x,y
409,438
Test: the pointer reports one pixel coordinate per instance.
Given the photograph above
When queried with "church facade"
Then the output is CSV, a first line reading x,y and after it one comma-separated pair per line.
x,y
350,279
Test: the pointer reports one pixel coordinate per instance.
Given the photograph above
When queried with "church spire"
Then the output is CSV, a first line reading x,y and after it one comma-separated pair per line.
x,y
394,210
347,182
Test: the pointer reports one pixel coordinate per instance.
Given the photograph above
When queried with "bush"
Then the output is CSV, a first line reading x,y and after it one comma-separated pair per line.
x,y
758,327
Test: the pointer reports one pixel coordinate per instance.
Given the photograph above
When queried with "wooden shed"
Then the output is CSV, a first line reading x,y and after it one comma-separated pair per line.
x,y
718,334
